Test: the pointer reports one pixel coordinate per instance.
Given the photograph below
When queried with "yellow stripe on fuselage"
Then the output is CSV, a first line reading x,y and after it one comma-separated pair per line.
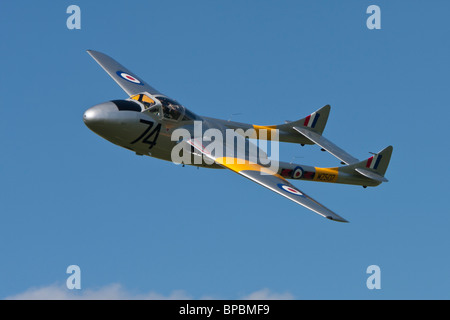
x,y
326,174
238,165
268,132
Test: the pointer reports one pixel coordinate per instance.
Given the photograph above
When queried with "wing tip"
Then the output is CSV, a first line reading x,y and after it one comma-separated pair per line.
x,y
337,219
92,53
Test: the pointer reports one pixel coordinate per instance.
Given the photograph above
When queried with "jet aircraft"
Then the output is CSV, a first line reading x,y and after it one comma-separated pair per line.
x,y
145,122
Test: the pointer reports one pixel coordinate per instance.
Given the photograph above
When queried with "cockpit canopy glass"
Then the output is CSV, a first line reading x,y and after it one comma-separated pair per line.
x,y
169,109
188,115
173,110
145,100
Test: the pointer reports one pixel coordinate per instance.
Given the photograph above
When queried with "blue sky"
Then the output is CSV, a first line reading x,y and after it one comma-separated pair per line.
x,y
142,227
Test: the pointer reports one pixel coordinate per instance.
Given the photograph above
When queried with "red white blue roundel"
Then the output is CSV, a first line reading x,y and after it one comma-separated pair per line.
x,y
129,77
297,173
290,189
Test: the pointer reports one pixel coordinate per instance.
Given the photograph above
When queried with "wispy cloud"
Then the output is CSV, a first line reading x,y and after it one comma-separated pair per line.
x,y
113,291
116,291
267,294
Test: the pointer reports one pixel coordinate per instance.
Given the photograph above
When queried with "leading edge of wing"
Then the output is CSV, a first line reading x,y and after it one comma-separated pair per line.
x,y
126,79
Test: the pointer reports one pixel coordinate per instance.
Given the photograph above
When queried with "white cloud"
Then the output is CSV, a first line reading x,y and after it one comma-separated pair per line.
x,y
116,291
113,291
266,294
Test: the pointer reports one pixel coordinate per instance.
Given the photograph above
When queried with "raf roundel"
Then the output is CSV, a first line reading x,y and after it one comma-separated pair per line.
x,y
129,77
290,189
297,173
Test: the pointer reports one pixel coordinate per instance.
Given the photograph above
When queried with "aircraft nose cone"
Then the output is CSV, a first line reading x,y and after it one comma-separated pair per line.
x,y
97,115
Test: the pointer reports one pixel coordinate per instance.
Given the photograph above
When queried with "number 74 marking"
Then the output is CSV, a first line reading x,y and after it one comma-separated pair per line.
x,y
145,136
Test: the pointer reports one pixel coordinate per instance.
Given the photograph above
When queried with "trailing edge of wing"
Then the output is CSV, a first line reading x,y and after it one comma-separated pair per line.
x,y
286,189
271,180
327,145
127,80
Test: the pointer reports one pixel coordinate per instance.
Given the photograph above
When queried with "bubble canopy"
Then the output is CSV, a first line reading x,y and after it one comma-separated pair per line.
x,y
168,109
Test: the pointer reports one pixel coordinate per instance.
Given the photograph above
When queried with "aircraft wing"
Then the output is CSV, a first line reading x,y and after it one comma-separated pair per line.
x,y
327,145
127,80
267,178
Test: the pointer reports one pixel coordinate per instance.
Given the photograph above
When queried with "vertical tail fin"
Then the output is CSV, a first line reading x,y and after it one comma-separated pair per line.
x,y
315,122
375,167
